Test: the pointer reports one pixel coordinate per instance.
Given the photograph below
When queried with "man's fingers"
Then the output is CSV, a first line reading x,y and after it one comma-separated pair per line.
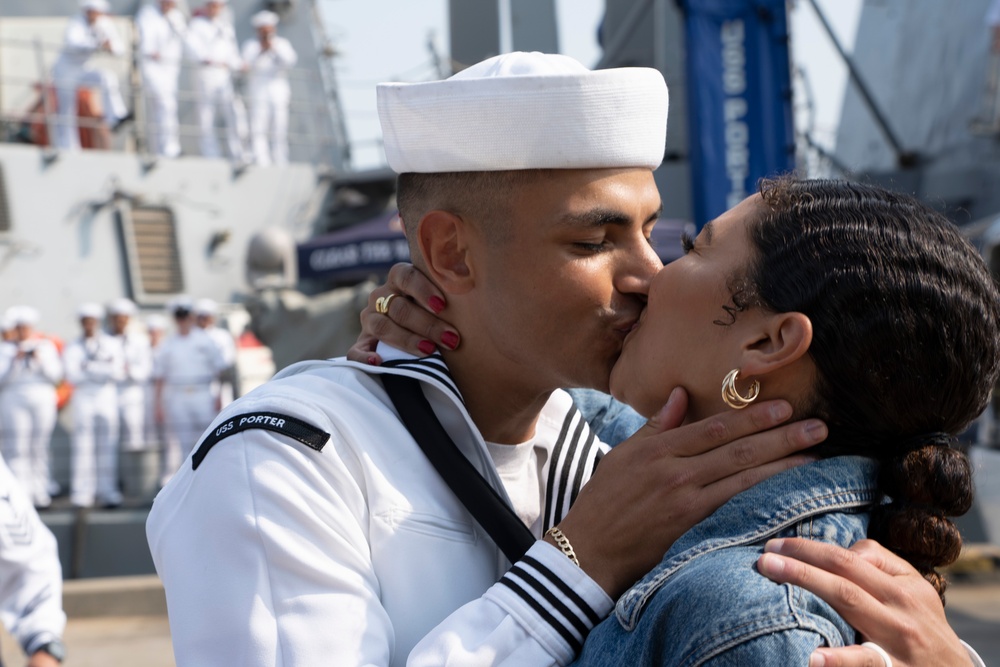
x,y
813,559
709,434
670,416
846,656
768,446
883,559
853,602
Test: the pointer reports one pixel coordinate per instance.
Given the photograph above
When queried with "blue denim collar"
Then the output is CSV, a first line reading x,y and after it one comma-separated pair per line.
x,y
839,483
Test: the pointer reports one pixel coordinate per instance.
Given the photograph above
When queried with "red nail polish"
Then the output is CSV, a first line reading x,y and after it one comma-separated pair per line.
x,y
373,360
450,339
426,347
436,303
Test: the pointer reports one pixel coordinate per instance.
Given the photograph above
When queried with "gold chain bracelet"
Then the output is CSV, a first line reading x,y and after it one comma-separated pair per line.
x,y
563,544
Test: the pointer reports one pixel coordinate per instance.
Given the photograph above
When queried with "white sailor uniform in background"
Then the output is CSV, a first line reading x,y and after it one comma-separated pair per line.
x,y
186,366
161,46
330,516
30,573
212,44
133,386
94,366
29,373
223,389
269,91
71,70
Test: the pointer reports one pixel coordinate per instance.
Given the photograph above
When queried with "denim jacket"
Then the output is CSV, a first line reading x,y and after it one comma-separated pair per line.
x,y
706,604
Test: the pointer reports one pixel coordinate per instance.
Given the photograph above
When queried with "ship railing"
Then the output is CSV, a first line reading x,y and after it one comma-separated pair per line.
x,y
312,136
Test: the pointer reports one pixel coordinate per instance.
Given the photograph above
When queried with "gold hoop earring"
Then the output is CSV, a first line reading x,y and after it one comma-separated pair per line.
x,y
732,397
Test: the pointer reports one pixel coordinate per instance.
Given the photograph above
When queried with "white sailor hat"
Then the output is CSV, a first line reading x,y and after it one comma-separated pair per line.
x,y
263,19
156,322
96,5
22,315
205,307
180,303
90,309
7,320
122,306
526,111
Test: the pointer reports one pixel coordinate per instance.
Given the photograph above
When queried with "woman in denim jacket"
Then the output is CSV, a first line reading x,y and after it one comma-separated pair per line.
x,y
861,307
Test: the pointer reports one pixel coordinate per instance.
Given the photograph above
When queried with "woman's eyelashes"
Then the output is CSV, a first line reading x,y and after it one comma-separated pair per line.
x,y
687,242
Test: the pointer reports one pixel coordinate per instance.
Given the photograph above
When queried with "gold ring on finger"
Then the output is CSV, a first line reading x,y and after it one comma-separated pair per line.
x,y
382,303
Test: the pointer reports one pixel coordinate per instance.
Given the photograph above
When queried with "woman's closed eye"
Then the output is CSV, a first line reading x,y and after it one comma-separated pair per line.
x,y
687,242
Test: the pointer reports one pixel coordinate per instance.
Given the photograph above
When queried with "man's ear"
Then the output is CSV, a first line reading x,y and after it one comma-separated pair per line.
x,y
444,240
779,340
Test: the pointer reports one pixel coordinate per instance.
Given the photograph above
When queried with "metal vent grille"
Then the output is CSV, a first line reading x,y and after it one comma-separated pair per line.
x,y
4,204
157,268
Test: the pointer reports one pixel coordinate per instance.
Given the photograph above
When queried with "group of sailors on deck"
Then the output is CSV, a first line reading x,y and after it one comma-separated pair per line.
x,y
166,40
128,387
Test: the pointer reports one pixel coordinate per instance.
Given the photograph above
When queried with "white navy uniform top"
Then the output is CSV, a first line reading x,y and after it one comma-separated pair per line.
x,y
39,366
213,41
333,541
30,573
224,341
269,70
83,40
161,36
97,361
138,357
189,360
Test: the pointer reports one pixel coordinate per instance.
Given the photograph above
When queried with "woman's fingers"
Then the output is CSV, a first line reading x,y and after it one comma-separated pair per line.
x,y
407,321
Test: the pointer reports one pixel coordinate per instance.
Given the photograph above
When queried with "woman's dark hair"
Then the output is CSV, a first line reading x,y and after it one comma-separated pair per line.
x,y
905,319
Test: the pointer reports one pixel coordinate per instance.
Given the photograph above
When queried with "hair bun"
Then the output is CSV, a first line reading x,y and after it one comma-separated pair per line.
x,y
934,476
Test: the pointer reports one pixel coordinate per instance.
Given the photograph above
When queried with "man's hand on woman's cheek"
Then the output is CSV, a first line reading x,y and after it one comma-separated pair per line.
x,y
652,488
881,595
412,322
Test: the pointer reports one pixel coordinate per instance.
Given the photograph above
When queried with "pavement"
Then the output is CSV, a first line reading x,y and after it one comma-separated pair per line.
x,y
122,622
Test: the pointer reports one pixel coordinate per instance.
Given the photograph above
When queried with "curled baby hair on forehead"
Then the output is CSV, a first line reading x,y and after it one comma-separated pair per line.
x,y
906,342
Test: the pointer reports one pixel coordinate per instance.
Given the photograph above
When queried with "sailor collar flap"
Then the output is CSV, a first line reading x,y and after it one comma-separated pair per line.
x,y
829,485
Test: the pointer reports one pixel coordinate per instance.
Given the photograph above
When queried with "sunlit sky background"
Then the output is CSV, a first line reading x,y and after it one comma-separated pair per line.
x,y
382,40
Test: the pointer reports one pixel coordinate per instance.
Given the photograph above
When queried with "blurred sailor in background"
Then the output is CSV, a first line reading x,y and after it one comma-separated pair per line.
x,y
205,313
138,369
267,60
30,577
187,362
88,33
156,329
211,42
95,363
30,369
161,45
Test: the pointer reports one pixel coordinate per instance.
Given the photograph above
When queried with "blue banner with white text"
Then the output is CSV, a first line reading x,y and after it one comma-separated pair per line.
x,y
739,99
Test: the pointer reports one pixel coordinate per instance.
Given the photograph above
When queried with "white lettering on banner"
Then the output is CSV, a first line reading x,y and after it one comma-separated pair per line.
x,y
385,251
735,108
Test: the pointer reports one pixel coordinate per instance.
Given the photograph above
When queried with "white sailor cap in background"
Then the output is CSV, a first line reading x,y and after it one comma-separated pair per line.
x,y
96,5
90,309
22,315
180,303
7,319
205,307
526,111
156,322
263,19
122,306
